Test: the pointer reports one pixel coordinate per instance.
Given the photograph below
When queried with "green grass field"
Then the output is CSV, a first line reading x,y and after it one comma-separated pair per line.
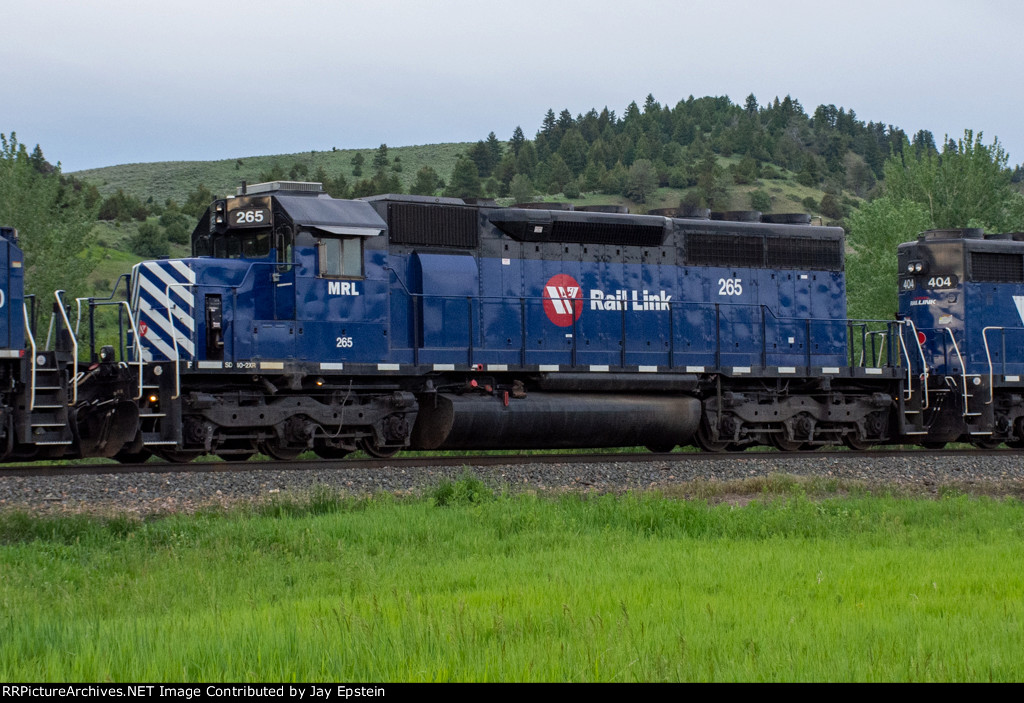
x,y
466,585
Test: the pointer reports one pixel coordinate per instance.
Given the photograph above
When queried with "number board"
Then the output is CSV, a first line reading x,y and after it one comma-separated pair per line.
x,y
249,212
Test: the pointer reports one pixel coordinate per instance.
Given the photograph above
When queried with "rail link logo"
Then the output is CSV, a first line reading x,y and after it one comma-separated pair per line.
x,y
563,300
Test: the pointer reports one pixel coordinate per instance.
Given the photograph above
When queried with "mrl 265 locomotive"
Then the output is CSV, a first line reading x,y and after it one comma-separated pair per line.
x,y
393,322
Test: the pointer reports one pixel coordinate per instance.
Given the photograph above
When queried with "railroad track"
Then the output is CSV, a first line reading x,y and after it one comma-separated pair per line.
x,y
473,460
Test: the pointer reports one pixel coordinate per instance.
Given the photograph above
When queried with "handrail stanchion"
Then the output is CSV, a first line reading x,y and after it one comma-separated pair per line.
x,y
32,362
74,344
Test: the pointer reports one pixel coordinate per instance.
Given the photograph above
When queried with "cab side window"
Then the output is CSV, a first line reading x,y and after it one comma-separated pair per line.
x,y
341,257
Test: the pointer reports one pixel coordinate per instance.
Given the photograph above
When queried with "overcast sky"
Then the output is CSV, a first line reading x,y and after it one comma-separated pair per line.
x,y
106,82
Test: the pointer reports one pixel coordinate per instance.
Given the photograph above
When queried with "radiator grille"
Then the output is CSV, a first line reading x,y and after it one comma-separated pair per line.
x,y
805,253
433,225
1003,268
725,250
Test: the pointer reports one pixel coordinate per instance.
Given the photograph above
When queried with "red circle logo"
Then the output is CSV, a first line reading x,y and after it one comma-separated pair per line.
x,y
563,300
921,338
143,328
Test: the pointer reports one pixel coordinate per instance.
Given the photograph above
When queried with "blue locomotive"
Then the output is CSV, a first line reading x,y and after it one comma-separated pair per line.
x,y
963,293
307,322
50,405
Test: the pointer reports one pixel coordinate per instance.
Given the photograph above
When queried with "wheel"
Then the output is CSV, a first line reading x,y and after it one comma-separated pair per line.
x,y
933,445
705,440
1016,444
177,456
329,451
986,443
281,452
370,446
124,457
660,448
856,443
780,442
236,450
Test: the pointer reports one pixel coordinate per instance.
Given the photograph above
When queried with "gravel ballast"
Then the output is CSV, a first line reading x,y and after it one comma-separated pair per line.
x,y
155,493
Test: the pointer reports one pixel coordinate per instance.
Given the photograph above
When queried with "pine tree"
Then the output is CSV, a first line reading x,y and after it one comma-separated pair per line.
x,y
465,180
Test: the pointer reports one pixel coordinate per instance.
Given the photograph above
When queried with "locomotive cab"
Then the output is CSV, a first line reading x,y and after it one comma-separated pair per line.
x,y
964,293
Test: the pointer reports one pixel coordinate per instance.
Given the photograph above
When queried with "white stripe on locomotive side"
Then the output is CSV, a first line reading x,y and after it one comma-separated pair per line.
x,y
160,299
180,267
168,282
159,321
152,337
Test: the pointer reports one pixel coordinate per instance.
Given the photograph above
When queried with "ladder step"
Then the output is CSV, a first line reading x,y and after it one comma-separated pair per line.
x,y
145,415
917,432
161,443
49,424
53,444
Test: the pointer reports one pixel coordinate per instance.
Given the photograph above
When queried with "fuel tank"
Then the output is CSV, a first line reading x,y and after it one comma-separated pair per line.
x,y
554,421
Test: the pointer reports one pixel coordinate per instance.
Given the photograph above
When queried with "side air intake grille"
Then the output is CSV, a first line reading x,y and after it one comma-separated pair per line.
x,y
725,250
805,253
1001,268
433,225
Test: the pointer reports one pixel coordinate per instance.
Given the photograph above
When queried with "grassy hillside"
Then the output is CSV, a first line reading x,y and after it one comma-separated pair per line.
x,y
176,179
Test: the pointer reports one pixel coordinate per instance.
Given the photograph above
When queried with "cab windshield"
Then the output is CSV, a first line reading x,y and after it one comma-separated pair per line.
x,y
242,245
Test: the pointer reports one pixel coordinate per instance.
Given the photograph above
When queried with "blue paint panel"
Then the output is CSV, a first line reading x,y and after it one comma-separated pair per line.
x,y
440,307
12,289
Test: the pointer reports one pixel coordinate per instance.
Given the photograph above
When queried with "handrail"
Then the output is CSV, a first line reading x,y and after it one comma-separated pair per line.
x,y
138,346
32,363
135,330
78,301
74,342
874,333
924,364
174,333
988,357
252,267
963,367
673,307
908,393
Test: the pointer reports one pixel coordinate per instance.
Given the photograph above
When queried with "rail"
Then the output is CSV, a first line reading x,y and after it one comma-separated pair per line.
x,y
32,362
